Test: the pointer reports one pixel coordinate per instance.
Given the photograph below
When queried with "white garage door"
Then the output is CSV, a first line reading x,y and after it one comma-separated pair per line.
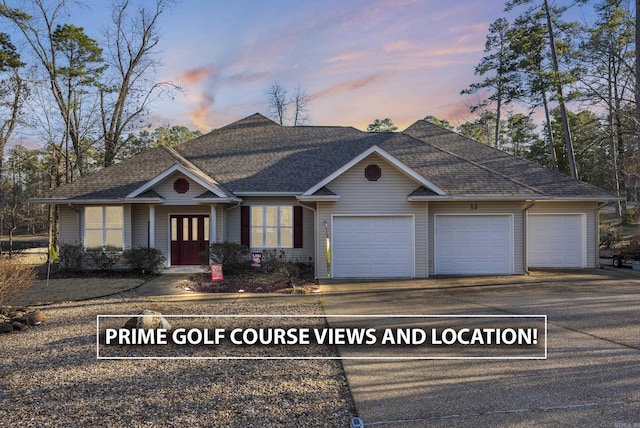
x,y
471,245
372,247
555,240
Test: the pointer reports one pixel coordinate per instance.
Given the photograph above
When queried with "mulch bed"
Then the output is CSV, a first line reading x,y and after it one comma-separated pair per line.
x,y
257,284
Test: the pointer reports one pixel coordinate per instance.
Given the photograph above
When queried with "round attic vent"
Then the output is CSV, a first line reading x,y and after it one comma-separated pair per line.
x,y
372,172
181,185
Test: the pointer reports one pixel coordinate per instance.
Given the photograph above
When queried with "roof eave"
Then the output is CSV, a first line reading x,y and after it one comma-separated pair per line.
x,y
266,193
216,200
512,198
318,198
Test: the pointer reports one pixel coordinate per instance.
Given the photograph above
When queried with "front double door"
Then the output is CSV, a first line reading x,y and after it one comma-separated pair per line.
x,y
189,239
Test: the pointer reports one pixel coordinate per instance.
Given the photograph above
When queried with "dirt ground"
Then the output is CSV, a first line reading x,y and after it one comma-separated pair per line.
x,y
74,289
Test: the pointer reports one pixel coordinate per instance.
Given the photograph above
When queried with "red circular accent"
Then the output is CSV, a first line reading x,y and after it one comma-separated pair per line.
x,y
181,185
372,172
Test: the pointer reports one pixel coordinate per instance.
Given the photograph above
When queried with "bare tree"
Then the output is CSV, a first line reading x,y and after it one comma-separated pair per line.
x,y
277,101
13,92
637,86
124,99
300,101
38,25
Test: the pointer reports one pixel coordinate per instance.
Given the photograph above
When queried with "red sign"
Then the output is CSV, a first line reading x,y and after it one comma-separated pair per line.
x,y
216,273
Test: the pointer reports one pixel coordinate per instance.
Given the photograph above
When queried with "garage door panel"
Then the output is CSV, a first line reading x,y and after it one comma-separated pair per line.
x,y
372,247
470,245
555,240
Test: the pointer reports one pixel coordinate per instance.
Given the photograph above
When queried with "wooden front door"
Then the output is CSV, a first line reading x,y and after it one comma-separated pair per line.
x,y
189,239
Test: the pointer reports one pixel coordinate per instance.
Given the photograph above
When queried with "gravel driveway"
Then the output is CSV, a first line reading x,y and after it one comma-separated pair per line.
x,y
49,375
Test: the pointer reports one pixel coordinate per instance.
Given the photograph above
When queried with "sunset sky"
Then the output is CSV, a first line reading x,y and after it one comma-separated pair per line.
x,y
358,60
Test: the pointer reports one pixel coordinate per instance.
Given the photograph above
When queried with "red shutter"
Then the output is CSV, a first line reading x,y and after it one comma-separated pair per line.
x,y
245,225
297,227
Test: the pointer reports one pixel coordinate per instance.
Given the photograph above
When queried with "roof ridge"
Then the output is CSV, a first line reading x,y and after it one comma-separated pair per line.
x,y
479,165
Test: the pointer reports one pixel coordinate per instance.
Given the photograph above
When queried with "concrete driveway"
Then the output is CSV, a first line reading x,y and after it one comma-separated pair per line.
x,y
590,378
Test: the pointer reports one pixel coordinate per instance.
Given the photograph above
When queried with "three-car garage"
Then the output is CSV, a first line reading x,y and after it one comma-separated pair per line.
x,y
384,246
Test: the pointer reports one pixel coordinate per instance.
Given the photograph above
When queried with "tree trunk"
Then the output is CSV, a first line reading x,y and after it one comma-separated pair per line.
x,y
566,131
552,148
637,95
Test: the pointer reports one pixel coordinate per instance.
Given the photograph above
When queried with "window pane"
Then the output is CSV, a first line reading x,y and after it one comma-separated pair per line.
x,y
174,229
93,239
194,229
114,239
114,217
256,216
286,216
93,218
206,229
286,237
185,229
256,237
272,216
272,237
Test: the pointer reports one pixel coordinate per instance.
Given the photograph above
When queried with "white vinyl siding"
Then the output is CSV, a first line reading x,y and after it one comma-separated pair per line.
x,y
361,197
69,221
171,197
140,226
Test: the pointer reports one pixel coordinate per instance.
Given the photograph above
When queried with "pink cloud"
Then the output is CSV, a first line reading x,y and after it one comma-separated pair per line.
x,y
196,75
200,114
349,85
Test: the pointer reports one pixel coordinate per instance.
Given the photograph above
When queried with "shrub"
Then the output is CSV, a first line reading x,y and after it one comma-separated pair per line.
x,y
234,257
144,259
103,260
70,257
15,280
630,216
609,235
272,260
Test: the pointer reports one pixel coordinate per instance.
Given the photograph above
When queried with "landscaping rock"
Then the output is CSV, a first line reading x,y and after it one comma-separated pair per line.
x,y
18,326
32,318
148,320
19,318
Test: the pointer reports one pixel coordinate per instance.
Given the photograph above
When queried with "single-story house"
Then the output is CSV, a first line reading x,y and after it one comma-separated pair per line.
x,y
425,201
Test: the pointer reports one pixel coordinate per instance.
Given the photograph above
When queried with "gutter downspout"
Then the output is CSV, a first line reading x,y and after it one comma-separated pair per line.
x,y
525,210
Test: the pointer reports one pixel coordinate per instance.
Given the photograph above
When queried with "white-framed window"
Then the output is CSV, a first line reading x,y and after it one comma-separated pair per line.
x,y
272,226
104,228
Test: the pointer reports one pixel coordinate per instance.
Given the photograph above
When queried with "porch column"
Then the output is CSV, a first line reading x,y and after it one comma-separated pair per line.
x,y
212,226
152,226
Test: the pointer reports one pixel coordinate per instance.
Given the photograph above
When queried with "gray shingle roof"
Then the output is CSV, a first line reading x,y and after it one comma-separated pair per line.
x,y
257,155
518,170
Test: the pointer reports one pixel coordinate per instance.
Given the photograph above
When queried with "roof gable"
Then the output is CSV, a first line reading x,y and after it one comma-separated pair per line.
x,y
201,179
386,156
